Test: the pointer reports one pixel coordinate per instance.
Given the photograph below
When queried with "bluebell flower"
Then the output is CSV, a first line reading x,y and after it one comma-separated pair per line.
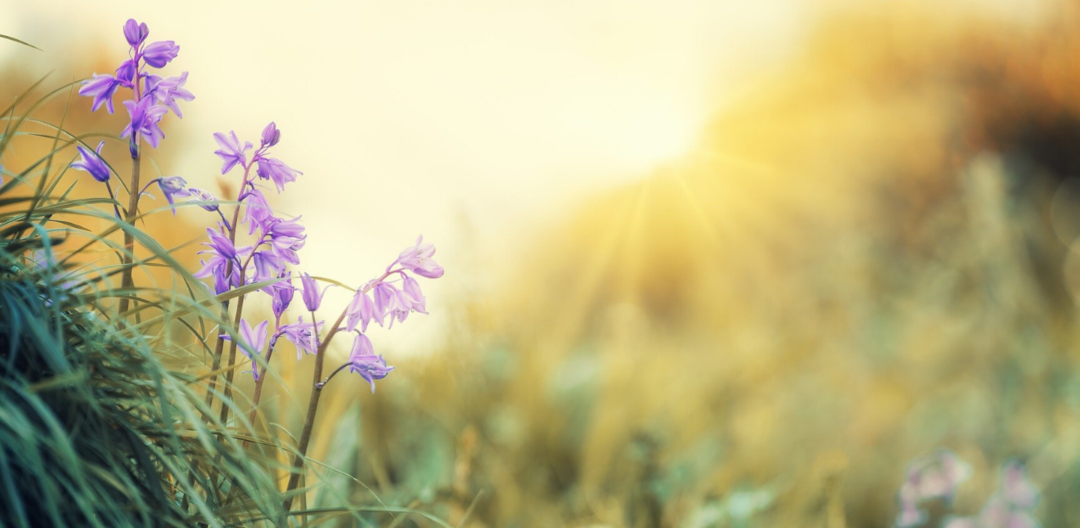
x,y
90,161
231,151
101,87
159,54
135,33
364,362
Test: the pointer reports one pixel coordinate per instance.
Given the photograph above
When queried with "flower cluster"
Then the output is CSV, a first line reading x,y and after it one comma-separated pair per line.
x,y
152,98
153,95
1010,507
274,245
933,477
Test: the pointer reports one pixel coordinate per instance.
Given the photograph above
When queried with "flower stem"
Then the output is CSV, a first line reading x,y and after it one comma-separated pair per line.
x,y
257,394
220,346
126,281
227,388
116,208
313,406
321,384
316,392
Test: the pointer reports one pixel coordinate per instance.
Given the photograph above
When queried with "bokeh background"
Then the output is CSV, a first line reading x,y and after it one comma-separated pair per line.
x,y
709,263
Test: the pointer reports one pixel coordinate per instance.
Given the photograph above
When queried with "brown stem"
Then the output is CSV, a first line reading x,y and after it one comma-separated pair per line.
x,y
316,391
313,405
126,281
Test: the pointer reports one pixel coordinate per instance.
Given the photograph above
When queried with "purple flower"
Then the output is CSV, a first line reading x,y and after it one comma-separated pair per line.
x,y
417,302
274,169
199,195
284,245
285,228
384,295
135,33
252,342
361,311
364,362
222,253
267,264
257,212
221,244
218,268
281,293
145,116
166,91
270,135
305,336
311,294
125,74
418,260
173,187
91,162
160,53
101,87
231,151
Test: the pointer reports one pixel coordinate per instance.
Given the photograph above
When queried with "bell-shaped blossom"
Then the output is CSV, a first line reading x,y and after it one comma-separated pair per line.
x,y
101,87
271,135
231,151
126,72
311,294
263,264
364,362
173,187
257,211
287,246
305,336
384,294
400,307
221,244
285,228
361,311
281,293
90,161
208,201
252,342
160,53
217,267
145,116
274,169
166,91
417,302
135,33
418,260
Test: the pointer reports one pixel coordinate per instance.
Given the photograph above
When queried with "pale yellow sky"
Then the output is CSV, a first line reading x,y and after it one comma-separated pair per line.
x,y
432,117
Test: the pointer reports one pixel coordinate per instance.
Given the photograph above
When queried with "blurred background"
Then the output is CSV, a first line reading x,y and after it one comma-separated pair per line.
x,y
709,263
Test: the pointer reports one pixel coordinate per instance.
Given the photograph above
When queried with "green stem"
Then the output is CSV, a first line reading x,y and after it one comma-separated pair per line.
x,y
220,346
